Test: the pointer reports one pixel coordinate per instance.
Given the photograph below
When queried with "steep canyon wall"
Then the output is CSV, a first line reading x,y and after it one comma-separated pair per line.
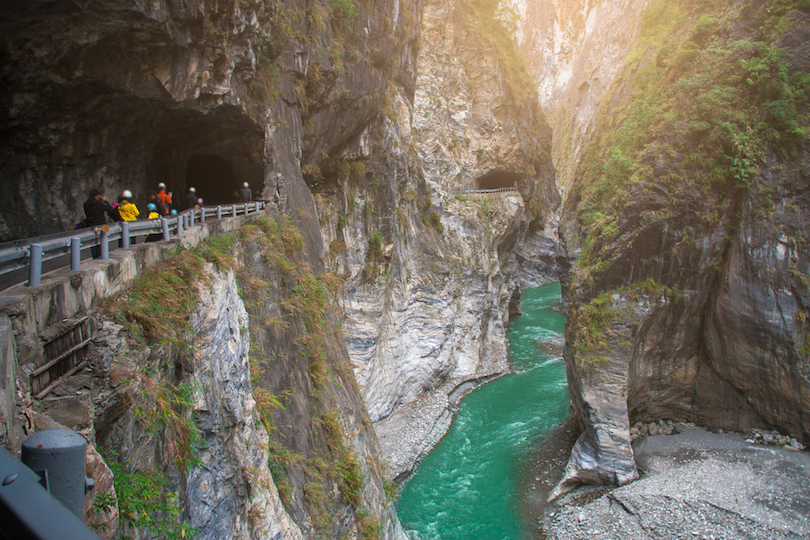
x,y
686,223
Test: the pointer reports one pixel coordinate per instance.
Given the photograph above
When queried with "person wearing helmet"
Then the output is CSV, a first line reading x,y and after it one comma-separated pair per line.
x,y
165,198
153,211
127,210
154,214
247,195
191,198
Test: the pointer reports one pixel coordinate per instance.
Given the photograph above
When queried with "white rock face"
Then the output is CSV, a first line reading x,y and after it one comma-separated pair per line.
x,y
232,495
575,50
436,315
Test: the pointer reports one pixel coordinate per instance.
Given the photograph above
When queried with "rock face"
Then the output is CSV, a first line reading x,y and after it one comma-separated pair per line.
x,y
688,298
232,495
231,492
430,273
575,51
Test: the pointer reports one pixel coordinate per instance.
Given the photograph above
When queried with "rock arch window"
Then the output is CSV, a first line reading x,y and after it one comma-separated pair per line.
x,y
498,180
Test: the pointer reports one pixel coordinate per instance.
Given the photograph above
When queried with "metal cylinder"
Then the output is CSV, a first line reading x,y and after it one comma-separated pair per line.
x,y
105,246
191,217
35,266
202,214
256,206
75,253
219,212
233,210
164,223
58,457
247,208
125,234
180,220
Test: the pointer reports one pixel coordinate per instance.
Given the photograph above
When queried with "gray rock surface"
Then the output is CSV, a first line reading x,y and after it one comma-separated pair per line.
x,y
700,485
232,495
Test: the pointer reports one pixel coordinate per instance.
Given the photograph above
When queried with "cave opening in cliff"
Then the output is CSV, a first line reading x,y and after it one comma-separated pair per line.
x,y
214,153
218,180
498,180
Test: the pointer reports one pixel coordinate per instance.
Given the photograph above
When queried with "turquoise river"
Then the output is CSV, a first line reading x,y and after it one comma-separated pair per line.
x,y
467,488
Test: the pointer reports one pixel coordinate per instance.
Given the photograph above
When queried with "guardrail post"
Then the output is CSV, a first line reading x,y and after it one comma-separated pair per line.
x,y
105,246
180,220
125,234
247,208
75,253
58,455
191,218
233,210
219,212
164,224
256,206
202,214
35,266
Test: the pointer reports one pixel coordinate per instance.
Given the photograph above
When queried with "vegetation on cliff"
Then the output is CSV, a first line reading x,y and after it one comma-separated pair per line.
x,y
705,107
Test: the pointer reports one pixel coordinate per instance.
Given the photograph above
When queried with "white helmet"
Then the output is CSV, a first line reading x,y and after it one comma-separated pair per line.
x,y
127,194
161,186
192,190
245,185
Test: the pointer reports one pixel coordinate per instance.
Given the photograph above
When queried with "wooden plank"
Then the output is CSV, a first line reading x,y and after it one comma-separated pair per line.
x,y
68,329
60,380
59,358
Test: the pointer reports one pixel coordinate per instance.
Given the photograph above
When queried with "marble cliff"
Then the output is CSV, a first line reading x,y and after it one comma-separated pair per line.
x,y
657,157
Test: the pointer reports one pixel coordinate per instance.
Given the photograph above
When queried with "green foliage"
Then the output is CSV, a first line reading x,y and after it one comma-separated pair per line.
x,y
375,246
145,504
706,110
346,465
162,299
168,408
368,527
490,22
592,319
391,490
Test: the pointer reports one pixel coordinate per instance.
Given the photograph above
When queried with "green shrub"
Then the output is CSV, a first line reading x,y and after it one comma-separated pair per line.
x,y
146,504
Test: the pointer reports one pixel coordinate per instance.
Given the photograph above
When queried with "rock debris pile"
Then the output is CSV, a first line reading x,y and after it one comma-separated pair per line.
x,y
662,427
774,438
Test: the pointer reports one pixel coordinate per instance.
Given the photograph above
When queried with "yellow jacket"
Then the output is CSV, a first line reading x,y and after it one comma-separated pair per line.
x,y
153,215
128,211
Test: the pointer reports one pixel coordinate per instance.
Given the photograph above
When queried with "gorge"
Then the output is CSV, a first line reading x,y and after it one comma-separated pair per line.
x,y
276,374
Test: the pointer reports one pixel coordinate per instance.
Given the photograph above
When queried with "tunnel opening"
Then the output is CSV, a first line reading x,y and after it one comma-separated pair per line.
x,y
218,180
213,178
214,153
498,180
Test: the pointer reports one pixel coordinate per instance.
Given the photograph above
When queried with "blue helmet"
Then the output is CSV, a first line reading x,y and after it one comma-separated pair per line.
x,y
174,212
152,207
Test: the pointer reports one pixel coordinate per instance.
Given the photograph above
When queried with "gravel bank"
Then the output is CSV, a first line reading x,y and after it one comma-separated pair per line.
x,y
696,484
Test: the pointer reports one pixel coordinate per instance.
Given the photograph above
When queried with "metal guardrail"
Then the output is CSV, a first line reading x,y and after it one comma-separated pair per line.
x,y
500,190
32,252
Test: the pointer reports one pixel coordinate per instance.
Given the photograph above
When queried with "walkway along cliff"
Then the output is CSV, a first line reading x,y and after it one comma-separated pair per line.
x,y
372,294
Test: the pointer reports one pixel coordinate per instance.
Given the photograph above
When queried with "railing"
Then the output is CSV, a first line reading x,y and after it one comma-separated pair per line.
x,y
500,190
32,252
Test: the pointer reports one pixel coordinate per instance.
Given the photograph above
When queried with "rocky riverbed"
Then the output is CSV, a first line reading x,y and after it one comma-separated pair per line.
x,y
695,484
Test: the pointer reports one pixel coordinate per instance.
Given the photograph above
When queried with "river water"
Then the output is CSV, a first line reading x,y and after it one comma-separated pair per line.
x,y
467,488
